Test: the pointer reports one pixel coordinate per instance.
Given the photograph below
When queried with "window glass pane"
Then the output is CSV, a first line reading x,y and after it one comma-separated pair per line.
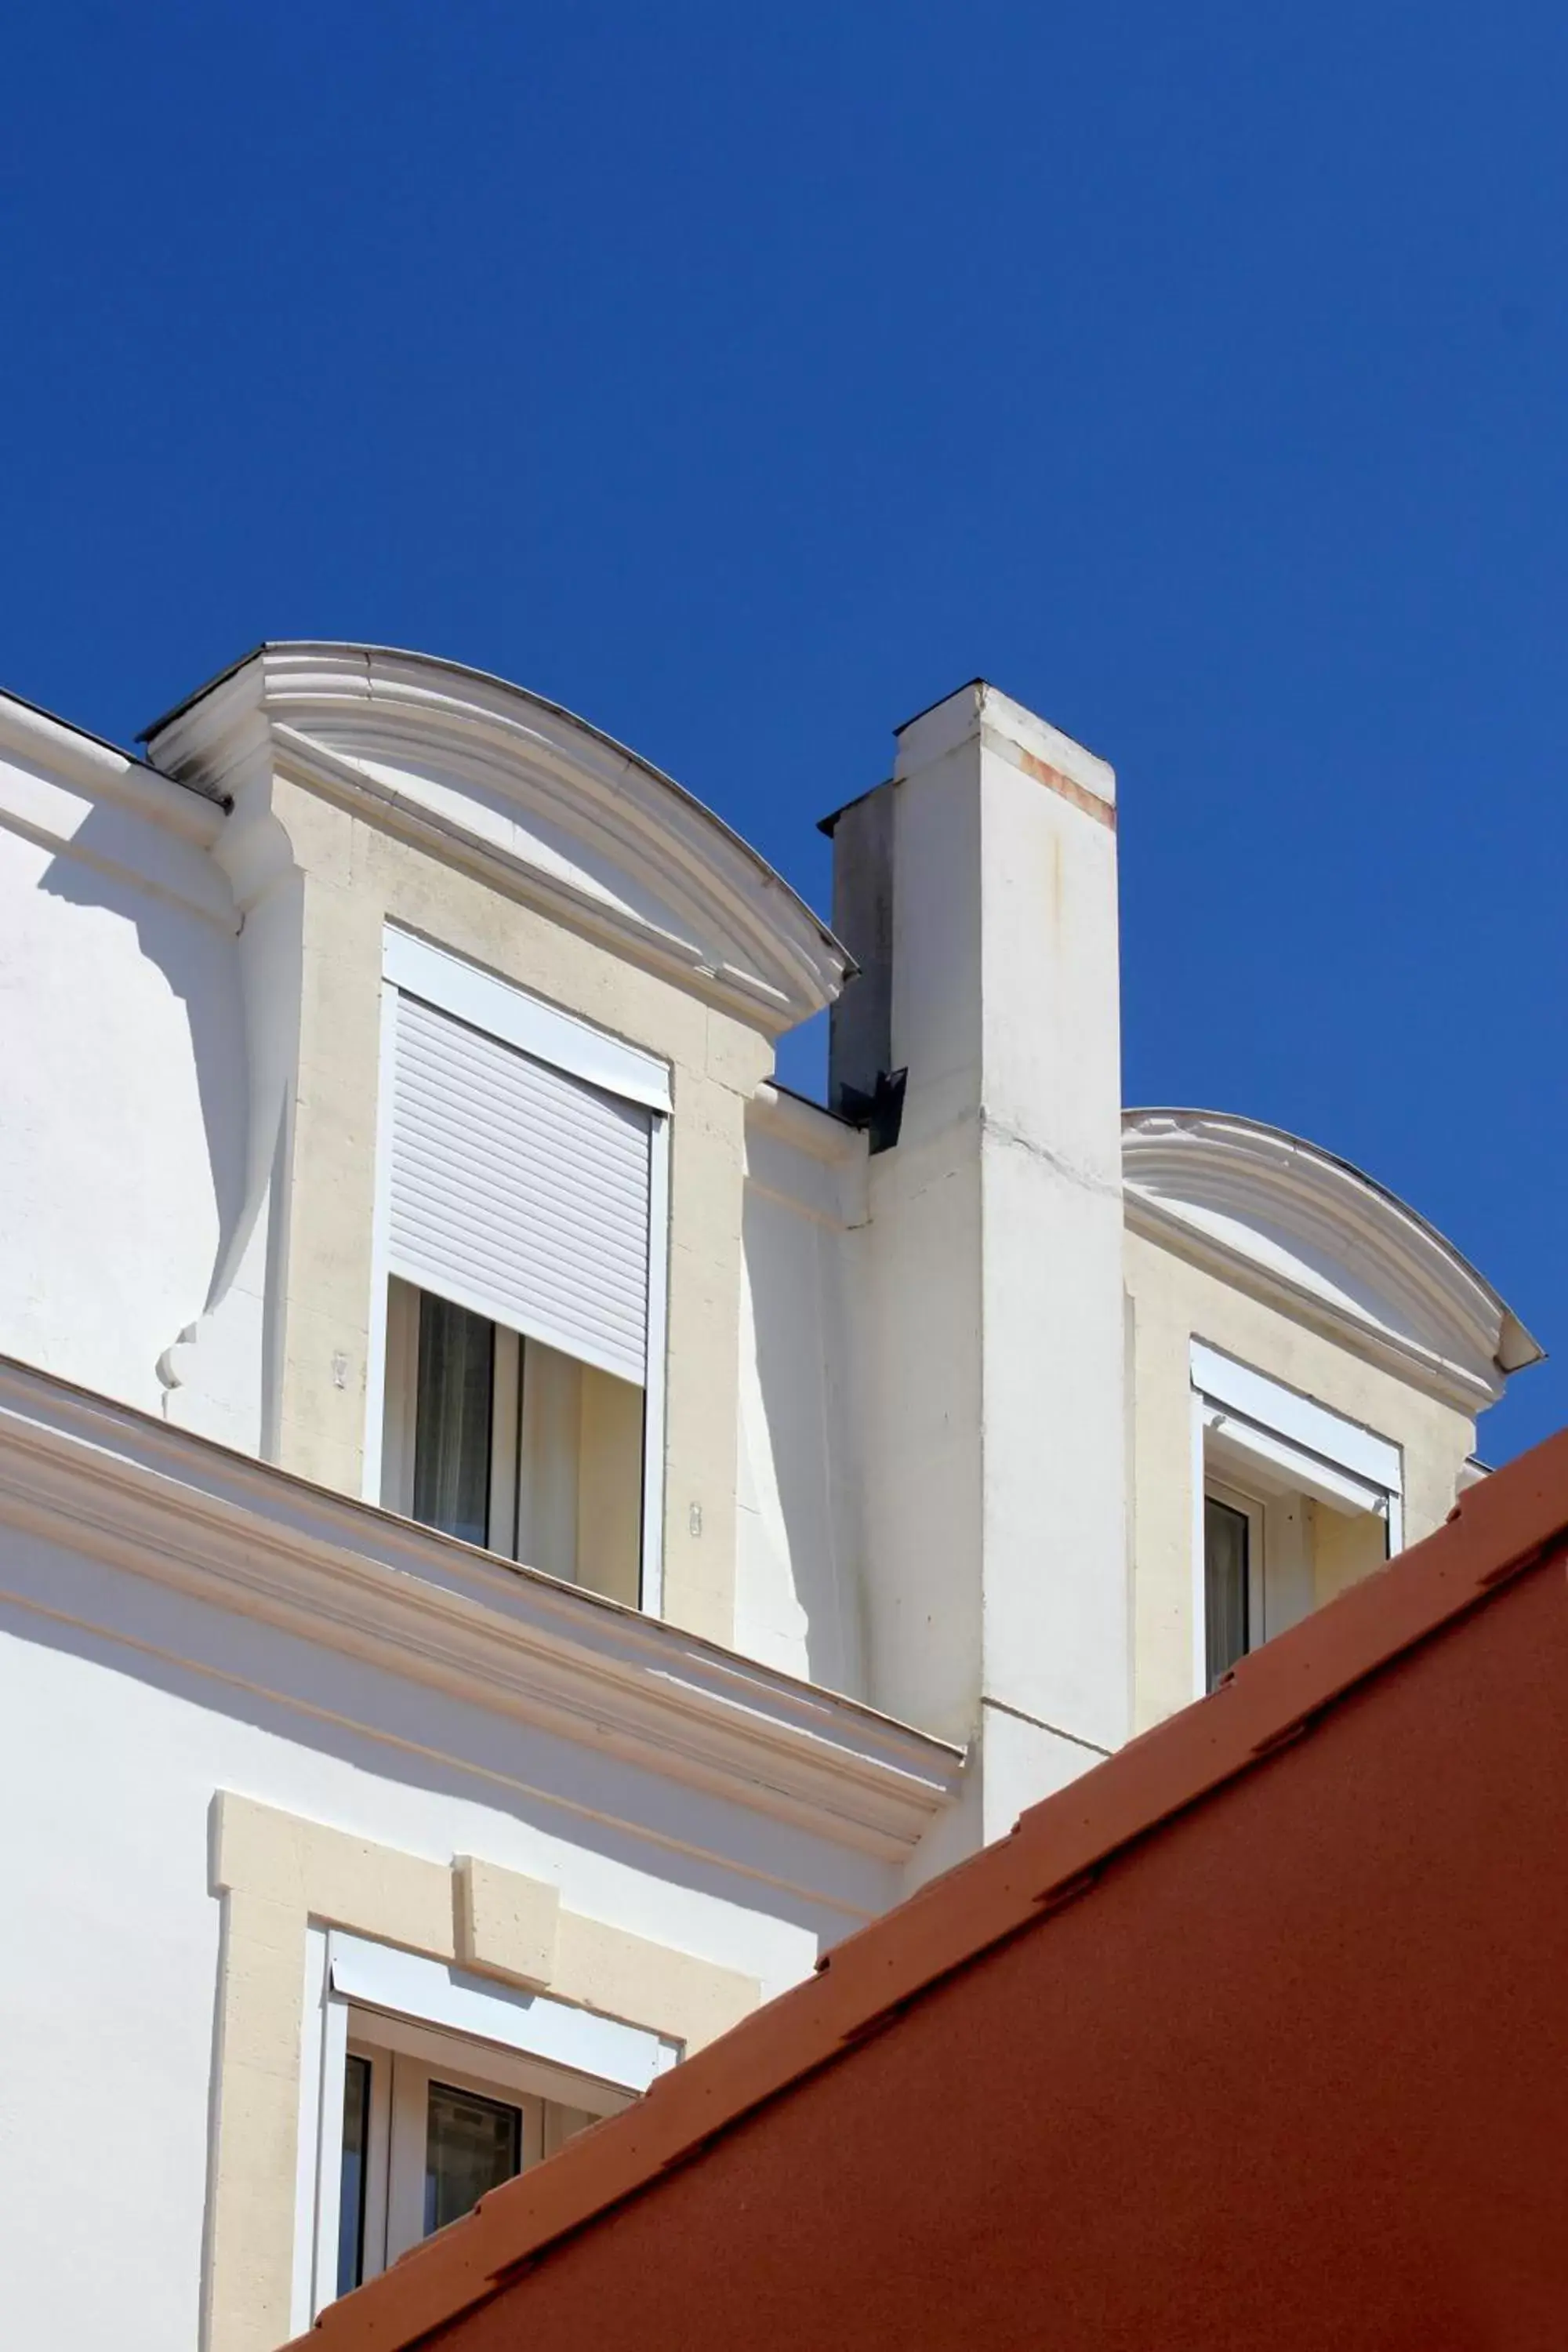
x,y
350,2192
470,2145
1226,1535
452,1420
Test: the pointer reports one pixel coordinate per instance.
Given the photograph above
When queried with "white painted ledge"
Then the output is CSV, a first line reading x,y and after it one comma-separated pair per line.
x,y
89,763
121,1487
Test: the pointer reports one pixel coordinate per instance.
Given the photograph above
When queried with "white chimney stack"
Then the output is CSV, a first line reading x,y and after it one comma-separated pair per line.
x,y
978,891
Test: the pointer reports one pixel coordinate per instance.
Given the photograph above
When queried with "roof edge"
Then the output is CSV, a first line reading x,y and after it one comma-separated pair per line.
x,y
199,694
452,669
100,755
472,698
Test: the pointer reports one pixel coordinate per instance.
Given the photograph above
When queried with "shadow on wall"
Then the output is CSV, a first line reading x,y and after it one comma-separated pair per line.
x,y
337,1738
800,1602
201,967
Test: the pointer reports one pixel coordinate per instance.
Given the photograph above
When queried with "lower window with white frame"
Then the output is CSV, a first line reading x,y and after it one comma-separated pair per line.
x,y
425,2088
425,2136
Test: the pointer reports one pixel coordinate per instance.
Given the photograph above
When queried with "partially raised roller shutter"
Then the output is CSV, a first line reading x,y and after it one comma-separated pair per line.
x,y
520,1191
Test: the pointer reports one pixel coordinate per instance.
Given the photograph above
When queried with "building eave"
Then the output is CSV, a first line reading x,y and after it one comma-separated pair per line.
x,y
342,716
78,757
1457,1336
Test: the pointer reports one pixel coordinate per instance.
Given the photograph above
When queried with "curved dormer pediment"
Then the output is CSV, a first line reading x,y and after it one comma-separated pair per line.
x,y
1293,1223
490,776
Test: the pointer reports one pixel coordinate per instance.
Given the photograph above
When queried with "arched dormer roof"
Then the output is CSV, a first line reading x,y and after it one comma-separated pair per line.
x,y
492,777
1309,1232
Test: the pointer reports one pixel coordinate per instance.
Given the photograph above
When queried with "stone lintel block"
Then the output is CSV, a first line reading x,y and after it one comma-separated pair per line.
x,y
507,1925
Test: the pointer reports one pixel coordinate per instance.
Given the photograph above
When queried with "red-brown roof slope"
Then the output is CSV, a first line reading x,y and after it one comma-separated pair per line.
x,y
1257,2035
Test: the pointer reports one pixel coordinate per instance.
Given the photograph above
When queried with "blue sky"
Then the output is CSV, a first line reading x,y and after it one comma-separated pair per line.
x,y
748,378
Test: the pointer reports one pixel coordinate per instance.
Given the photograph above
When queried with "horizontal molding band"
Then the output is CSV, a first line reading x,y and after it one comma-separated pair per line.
x,y
163,1505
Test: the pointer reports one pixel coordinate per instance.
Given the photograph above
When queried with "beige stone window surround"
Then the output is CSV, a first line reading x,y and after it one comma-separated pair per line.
x,y
367,788
277,1876
419,2023
558,1422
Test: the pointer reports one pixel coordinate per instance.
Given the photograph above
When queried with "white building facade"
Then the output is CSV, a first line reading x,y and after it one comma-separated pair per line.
x,y
516,1533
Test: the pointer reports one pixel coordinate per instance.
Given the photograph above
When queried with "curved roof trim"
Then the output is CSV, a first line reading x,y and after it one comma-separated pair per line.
x,y
1301,1226
557,811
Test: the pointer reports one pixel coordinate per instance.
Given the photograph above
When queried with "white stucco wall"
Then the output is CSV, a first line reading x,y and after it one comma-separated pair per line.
x,y
123,1707
124,1109
798,1593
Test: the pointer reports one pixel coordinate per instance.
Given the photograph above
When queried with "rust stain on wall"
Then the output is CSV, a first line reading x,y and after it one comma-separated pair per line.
x,y
1080,797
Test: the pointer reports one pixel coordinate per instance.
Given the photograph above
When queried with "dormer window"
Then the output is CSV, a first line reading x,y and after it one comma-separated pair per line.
x,y
1292,1501
520,1246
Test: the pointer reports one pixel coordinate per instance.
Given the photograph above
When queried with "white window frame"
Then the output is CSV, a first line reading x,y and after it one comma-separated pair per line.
x,y
395,2139
1251,1509
501,2043
498,1010
400,1384
1289,1442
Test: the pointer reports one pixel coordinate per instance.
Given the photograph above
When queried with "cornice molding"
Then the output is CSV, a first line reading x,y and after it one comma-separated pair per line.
x,y
124,1489
804,1159
75,757
82,798
806,1127
1308,1231
545,807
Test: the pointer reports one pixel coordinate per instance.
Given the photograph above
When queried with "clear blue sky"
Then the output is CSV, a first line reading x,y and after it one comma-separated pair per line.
x,y
747,378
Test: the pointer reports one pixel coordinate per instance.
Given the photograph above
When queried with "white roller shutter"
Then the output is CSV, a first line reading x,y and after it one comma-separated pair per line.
x,y
519,1191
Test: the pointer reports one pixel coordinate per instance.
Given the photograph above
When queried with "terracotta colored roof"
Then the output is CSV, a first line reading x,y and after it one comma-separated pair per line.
x,y
1097,1839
